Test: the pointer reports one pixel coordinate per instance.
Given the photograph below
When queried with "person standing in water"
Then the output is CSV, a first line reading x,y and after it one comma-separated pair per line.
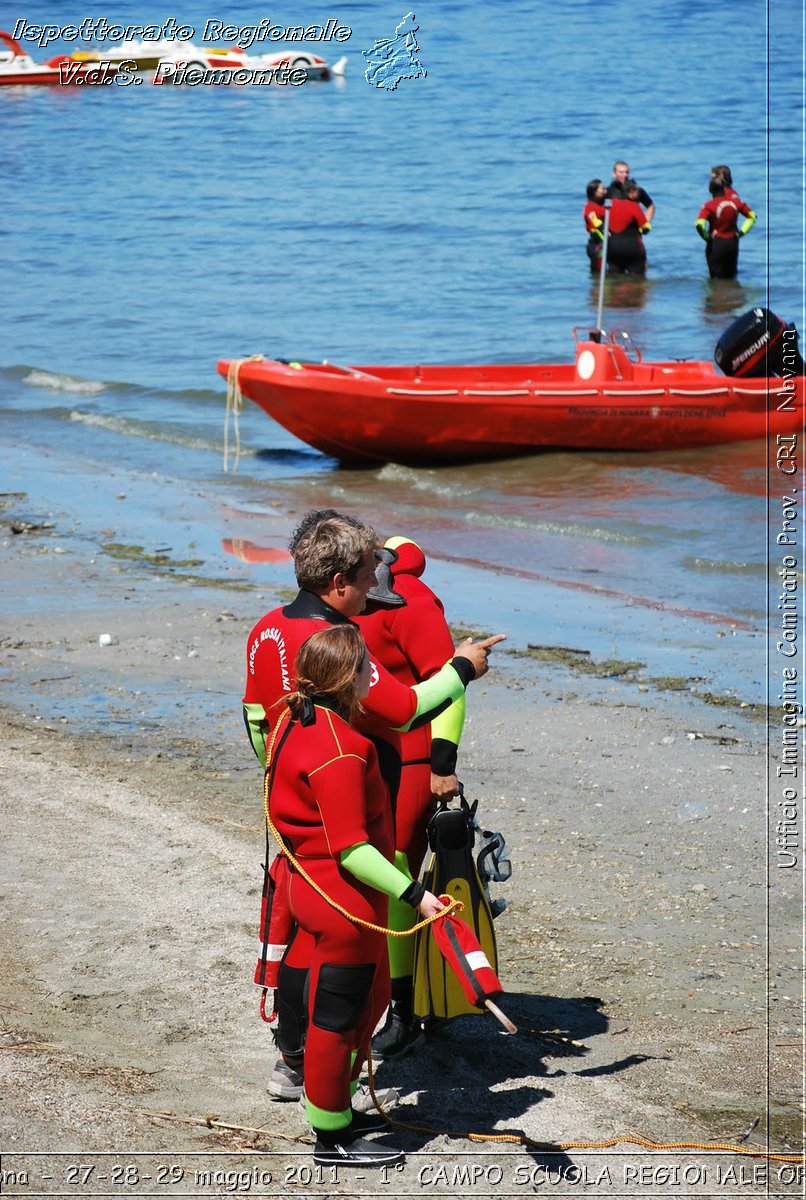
x,y
718,225
593,215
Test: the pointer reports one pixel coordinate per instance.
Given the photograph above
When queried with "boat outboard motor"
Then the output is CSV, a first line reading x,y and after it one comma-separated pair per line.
x,y
757,345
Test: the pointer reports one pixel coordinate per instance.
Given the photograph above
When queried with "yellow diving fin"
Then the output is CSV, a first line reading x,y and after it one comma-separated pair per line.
x,y
452,871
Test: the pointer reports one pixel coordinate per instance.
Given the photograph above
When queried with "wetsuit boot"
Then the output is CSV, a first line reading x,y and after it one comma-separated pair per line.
x,y
402,1031
338,1148
286,1080
340,1140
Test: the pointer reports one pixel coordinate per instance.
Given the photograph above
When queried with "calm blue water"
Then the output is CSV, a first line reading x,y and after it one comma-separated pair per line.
x,y
149,231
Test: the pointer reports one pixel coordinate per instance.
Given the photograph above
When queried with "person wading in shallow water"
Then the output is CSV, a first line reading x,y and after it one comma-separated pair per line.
x,y
718,225
628,222
330,805
335,562
593,215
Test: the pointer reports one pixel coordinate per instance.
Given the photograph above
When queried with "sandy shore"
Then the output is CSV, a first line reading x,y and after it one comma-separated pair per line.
x,y
651,964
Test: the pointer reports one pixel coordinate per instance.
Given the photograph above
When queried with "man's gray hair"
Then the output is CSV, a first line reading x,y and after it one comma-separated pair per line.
x,y
331,547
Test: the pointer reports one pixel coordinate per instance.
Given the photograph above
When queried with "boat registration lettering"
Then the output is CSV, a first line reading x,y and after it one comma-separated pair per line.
x,y
682,414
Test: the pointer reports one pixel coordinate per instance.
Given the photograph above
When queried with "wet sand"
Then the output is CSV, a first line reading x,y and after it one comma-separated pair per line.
x,y
652,966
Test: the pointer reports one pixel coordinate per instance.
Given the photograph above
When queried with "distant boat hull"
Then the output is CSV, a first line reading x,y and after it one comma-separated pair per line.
x,y
171,60
450,414
17,68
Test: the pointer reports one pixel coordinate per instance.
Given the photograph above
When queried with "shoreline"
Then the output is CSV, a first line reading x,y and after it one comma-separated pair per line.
x,y
165,535
633,951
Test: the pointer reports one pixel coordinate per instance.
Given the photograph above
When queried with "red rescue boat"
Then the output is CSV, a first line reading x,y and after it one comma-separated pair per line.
x,y
608,399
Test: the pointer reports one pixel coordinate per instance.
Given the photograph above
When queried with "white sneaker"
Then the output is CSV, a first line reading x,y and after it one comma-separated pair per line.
x,y
285,1082
362,1101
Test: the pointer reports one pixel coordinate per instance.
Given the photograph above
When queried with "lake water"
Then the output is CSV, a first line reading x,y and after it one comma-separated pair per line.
x,y
148,232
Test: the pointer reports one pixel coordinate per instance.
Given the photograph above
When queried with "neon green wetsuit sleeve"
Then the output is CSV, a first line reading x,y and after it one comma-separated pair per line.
x,y
257,728
369,865
449,724
446,731
434,695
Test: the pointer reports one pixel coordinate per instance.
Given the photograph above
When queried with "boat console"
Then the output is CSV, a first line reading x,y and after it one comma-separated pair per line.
x,y
601,357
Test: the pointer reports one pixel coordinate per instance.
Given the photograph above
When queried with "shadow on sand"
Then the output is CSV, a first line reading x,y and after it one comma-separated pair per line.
x,y
472,1077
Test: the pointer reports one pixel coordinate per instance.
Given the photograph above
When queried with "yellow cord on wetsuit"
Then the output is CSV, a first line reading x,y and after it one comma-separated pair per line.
x,y
451,906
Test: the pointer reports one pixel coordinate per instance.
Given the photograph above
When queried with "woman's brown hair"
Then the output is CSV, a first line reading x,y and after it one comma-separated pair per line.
x,y
326,666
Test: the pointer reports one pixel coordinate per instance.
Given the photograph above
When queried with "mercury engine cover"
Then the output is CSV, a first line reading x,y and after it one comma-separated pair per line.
x,y
758,345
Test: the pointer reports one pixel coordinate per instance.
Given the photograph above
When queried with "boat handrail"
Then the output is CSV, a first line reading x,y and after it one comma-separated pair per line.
x,y
396,391
715,391
624,342
619,339
590,334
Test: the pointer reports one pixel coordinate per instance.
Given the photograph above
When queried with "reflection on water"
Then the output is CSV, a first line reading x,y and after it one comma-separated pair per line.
x,y
251,552
626,291
724,296
621,291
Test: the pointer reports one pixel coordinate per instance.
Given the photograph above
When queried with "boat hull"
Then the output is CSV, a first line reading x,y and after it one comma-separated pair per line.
x,y
364,415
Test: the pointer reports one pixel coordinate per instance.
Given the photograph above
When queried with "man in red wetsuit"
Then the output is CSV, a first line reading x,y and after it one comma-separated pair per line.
x,y
334,561
404,627
718,225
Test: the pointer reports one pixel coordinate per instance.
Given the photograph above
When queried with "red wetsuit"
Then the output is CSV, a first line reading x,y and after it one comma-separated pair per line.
x,y
413,642
625,248
594,216
270,655
597,211
722,213
327,795
271,652
722,248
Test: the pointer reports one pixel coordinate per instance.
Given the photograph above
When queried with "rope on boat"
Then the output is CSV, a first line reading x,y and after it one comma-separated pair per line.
x,y
234,406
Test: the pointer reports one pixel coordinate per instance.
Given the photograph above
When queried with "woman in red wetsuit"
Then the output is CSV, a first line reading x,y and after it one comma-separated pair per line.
x,y
718,225
593,215
330,805
628,222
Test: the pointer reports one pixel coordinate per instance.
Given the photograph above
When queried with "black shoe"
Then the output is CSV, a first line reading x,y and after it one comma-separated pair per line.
x,y
398,1036
359,1153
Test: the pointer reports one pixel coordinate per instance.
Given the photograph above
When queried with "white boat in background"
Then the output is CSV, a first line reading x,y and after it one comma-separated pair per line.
x,y
185,56
167,61
17,67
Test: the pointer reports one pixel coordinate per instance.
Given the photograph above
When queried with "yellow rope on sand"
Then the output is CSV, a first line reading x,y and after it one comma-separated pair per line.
x,y
520,1139
234,406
